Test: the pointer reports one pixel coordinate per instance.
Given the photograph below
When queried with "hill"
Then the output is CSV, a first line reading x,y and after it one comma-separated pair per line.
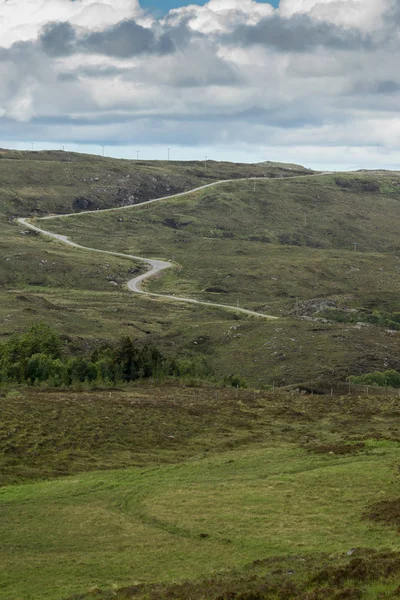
x,y
62,182
319,251
187,488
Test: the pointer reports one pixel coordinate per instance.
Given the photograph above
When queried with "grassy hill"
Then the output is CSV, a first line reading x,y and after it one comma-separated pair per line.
x,y
321,252
313,250
200,491
62,182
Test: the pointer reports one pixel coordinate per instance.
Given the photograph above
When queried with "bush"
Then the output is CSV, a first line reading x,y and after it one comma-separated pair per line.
x,y
236,381
386,378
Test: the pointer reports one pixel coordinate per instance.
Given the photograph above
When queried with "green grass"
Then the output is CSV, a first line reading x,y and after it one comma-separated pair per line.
x,y
184,521
49,434
60,182
364,574
212,480
229,244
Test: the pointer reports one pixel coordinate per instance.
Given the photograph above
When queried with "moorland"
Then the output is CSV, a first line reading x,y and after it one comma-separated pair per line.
x,y
179,484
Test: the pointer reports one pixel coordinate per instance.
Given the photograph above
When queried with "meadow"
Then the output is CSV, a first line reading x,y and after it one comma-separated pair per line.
x,y
191,489
291,248
238,488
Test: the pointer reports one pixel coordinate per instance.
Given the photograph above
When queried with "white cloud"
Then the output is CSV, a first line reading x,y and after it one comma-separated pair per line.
x,y
21,20
356,13
229,74
221,15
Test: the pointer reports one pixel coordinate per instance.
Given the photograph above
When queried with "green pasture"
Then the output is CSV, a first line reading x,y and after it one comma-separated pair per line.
x,y
186,521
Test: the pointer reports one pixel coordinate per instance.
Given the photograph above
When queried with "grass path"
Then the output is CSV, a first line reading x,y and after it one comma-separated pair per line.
x,y
155,266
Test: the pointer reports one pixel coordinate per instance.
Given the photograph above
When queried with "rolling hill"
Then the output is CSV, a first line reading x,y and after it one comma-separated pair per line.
x,y
191,489
318,251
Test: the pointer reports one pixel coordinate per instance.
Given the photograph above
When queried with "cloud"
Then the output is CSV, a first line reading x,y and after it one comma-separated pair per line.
x,y
22,20
362,14
313,72
123,40
299,33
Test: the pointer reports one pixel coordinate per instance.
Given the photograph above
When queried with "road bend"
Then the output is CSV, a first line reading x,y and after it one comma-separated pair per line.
x,y
155,267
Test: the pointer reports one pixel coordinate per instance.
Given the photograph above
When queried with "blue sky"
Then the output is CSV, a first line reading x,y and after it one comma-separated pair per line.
x,y
166,5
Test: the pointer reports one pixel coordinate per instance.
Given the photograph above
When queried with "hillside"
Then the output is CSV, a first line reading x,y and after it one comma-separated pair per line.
x,y
62,182
174,484
320,251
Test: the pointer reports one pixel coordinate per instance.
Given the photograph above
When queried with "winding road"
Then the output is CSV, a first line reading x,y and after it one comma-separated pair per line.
x,y
155,266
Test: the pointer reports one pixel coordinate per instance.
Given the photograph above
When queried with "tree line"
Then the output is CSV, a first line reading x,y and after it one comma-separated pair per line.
x,y
41,355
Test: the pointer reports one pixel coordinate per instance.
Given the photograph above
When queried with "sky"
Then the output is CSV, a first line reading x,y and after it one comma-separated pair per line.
x,y
314,82
161,7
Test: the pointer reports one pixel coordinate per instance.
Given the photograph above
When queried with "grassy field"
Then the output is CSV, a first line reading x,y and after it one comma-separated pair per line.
x,y
290,248
212,481
197,491
286,249
45,434
230,241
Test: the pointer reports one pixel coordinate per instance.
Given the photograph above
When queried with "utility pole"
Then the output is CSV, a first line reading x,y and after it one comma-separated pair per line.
x,y
32,144
137,154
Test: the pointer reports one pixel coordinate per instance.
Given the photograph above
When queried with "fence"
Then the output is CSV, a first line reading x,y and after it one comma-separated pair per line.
x,y
316,388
